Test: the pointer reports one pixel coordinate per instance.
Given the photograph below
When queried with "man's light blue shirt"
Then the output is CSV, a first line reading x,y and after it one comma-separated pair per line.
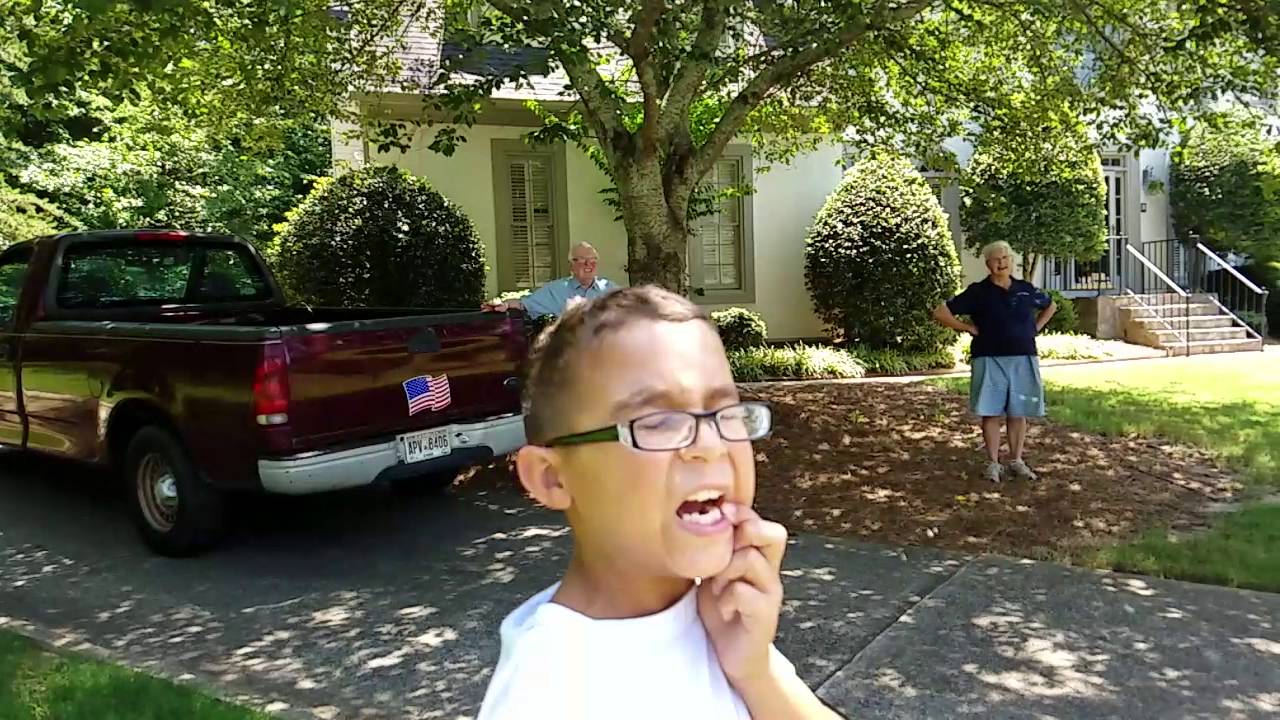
x,y
551,298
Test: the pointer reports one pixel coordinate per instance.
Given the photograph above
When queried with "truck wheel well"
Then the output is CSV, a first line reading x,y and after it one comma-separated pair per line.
x,y
126,421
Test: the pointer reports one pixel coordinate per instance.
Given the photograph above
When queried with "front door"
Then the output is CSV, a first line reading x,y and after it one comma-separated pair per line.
x,y
13,270
1115,176
1101,275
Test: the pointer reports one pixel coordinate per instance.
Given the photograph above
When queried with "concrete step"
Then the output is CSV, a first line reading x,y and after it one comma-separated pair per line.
x,y
1195,322
1163,299
1170,337
1175,310
1217,346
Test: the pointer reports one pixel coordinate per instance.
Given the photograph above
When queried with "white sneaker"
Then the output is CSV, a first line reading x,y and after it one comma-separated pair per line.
x,y
994,472
1022,472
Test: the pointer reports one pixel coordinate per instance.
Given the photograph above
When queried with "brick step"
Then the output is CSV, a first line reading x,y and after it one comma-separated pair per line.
x,y
1195,322
1217,346
1164,299
1178,310
1170,337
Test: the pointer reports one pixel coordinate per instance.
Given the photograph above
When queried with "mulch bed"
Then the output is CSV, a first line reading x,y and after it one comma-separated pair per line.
x,y
900,463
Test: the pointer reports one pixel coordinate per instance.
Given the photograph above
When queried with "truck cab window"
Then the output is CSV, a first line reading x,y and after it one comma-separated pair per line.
x,y
13,270
104,275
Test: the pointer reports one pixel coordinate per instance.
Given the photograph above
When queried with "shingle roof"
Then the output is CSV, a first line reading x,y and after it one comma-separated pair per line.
x,y
422,52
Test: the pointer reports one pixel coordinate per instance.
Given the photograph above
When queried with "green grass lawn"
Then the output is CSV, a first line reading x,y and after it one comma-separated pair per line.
x,y
1228,405
39,685
1242,550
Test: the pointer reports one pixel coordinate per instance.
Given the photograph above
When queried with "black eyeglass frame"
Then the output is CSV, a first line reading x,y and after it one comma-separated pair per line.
x,y
624,432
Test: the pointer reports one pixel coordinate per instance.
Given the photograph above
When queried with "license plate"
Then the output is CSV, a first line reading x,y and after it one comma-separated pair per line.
x,y
419,446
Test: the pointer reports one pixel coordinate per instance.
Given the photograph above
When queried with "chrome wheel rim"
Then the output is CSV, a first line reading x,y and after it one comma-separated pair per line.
x,y
158,492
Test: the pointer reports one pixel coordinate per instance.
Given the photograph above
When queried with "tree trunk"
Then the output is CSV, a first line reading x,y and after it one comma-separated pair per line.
x,y
657,231
1029,266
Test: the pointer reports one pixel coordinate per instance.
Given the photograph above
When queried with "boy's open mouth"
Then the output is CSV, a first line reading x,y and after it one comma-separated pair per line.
x,y
702,508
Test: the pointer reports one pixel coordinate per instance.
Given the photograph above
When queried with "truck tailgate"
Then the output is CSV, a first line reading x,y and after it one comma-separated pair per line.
x,y
354,381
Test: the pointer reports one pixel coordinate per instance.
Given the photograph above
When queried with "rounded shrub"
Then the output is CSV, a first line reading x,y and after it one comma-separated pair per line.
x,y
379,237
740,328
879,258
1067,318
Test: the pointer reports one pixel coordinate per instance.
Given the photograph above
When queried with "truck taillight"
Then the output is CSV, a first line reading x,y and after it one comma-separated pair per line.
x,y
271,387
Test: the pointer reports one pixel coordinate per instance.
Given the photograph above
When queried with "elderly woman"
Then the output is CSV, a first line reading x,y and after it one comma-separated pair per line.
x,y
1007,314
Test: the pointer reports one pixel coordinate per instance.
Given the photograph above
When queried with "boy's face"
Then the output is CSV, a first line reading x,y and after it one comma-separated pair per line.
x,y
624,504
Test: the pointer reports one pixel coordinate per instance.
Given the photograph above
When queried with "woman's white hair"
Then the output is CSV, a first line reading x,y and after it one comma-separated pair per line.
x,y
992,248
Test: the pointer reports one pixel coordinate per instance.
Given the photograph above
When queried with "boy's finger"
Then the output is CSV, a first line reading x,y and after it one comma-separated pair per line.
x,y
769,536
746,564
741,598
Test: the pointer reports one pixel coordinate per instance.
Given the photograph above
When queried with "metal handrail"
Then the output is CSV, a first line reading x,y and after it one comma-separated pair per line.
x,y
1247,327
1185,336
1151,266
1247,282
1163,320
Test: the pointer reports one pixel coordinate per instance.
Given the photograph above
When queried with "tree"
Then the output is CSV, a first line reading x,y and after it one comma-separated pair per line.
x,y
242,64
664,85
145,167
1226,185
1040,190
24,216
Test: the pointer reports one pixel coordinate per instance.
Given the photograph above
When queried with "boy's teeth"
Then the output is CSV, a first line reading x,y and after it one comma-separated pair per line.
x,y
710,517
704,496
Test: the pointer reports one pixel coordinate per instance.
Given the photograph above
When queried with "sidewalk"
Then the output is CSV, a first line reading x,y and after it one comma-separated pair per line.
x,y
1019,639
356,607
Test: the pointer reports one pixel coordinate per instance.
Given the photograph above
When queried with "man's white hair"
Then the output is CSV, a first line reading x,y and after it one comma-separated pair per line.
x,y
994,247
583,244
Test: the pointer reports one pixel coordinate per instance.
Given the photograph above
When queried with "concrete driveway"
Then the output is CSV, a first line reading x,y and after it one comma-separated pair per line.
x,y
372,605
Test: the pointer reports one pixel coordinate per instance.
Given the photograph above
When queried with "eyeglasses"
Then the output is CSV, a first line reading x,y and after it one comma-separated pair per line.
x,y
677,429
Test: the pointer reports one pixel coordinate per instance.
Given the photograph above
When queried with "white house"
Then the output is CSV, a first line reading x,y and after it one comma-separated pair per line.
x,y
529,203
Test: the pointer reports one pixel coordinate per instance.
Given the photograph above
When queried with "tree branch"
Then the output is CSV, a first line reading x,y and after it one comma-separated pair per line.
x,y
693,69
785,70
603,110
649,87
645,24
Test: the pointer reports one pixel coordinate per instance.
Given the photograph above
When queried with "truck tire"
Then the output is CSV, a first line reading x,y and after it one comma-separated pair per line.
x,y
177,512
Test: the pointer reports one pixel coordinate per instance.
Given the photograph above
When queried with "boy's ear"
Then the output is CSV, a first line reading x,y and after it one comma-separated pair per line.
x,y
539,472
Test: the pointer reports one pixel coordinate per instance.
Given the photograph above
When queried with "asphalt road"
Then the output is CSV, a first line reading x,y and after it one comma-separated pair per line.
x,y
373,605
366,604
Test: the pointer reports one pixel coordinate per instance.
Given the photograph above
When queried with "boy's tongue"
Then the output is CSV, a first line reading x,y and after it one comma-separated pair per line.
x,y
695,507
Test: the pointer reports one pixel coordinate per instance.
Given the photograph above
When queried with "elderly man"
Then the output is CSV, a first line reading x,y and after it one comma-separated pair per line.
x,y
1005,382
551,298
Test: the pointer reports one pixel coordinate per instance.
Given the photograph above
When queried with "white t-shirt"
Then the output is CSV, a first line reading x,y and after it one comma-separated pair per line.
x,y
557,664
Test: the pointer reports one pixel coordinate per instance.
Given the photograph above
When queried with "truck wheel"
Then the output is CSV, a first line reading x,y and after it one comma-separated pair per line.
x,y
177,512
432,483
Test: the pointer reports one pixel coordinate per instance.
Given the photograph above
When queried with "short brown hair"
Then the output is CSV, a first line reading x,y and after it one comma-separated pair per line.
x,y
557,350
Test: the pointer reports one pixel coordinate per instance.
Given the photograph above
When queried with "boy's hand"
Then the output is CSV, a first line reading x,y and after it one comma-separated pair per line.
x,y
740,606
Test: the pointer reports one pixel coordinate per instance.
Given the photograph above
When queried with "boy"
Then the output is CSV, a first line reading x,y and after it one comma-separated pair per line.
x,y
670,603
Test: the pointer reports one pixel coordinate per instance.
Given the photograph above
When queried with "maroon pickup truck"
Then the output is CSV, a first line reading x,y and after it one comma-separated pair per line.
x,y
174,358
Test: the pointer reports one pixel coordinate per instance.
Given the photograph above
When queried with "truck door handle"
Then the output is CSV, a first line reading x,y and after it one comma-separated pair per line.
x,y
424,342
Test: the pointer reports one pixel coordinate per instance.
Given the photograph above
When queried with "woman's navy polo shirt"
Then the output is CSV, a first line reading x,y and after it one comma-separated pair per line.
x,y
1006,319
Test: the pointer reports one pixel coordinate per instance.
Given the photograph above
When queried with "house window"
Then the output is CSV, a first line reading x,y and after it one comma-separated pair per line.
x,y
721,250
531,213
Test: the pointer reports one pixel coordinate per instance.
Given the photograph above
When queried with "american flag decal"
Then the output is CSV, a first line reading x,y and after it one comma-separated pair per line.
x,y
427,393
